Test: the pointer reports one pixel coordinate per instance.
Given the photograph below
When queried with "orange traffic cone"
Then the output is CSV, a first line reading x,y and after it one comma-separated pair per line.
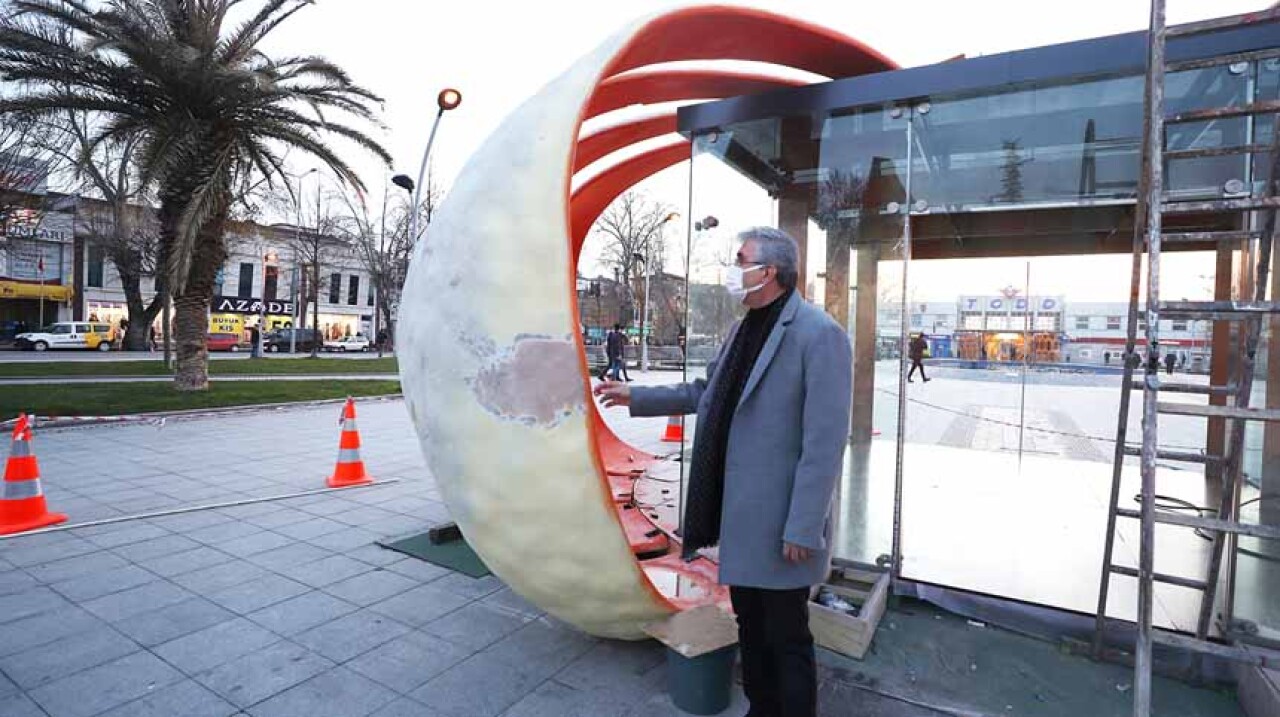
x,y
675,430
22,505
350,468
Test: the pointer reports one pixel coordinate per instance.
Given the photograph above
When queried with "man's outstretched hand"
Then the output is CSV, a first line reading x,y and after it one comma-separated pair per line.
x,y
613,393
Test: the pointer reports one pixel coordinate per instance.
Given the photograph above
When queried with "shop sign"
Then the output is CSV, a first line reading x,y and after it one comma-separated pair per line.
x,y
1002,304
226,324
33,260
250,305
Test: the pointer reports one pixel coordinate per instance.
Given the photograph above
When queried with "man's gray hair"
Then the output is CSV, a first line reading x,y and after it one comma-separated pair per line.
x,y
777,249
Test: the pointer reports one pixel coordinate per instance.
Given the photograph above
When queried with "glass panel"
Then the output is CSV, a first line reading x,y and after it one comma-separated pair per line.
x,y
836,186
860,197
1015,298
1068,143
1256,606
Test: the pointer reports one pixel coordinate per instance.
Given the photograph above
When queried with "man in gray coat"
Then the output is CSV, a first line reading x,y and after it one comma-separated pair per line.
x,y
772,426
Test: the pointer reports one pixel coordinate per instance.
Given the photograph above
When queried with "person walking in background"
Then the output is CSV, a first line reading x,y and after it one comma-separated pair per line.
x,y
773,422
613,352
1170,359
915,350
622,358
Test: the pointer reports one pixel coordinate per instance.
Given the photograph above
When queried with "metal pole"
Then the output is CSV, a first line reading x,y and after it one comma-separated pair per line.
x,y
293,305
1155,195
315,315
422,173
380,271
896,557
644,316
165,319
297,234
1027,339
262,306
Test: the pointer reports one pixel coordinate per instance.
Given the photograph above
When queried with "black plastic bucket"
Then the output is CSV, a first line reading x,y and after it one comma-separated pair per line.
x,y
701,685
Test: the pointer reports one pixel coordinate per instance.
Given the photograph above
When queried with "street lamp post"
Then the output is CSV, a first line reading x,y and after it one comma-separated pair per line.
x,y
648,274
293,279
269,259
448,99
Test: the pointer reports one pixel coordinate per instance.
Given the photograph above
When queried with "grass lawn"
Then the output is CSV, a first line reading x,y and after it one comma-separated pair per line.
x,y
112,399
217,367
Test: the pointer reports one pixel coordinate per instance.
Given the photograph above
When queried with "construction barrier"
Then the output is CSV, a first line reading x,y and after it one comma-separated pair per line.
x,y
350,469
22,504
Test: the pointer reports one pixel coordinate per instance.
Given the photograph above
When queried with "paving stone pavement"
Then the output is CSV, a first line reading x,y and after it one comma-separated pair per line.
x,y
275,608
280,608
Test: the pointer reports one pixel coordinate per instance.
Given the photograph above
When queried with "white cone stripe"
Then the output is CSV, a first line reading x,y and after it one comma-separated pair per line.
x,y
21,489
349,424
348,455
20,449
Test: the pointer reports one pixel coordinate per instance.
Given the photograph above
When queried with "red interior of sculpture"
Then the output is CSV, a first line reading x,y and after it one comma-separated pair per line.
x,y
709,33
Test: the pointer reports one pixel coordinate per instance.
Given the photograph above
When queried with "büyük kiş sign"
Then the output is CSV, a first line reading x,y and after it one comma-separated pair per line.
x,y
250,305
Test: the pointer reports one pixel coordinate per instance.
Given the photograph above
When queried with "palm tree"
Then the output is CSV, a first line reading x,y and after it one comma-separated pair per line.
x,y
208,107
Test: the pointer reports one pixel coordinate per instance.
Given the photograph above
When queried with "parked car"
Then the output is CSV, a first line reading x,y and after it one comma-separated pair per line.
x,y
224,342
357,342
278,341
67,335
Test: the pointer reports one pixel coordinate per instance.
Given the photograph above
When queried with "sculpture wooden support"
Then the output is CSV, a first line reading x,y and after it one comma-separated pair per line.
x,y
491,360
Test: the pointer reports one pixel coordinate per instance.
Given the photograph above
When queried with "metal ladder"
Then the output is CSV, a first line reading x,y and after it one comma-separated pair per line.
x,y
1152,205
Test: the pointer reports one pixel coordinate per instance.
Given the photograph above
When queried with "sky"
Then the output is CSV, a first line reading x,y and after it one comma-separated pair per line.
x,y
498,53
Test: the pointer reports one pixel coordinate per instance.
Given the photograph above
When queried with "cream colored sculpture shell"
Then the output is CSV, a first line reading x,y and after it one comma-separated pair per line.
x,y
493,377
490,358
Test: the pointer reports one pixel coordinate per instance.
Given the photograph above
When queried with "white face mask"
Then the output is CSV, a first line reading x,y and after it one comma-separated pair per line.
x,y
734,278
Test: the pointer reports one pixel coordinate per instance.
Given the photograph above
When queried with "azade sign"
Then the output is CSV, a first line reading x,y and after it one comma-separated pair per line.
x,y
250,305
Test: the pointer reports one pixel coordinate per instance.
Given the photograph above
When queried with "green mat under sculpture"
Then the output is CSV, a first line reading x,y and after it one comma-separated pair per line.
x,y
454,554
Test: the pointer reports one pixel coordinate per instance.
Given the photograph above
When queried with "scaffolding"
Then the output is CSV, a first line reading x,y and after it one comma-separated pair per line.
x,y
1241,316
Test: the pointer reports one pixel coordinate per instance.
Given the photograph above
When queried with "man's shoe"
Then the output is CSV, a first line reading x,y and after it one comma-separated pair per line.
x,y
927,380
910,381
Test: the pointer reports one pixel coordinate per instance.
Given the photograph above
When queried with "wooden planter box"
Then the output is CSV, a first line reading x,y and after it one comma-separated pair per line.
x,y
841,632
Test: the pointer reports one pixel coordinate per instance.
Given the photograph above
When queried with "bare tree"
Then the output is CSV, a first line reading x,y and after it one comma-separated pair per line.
x,y
632,228
384,245
311,247
30,151
120,222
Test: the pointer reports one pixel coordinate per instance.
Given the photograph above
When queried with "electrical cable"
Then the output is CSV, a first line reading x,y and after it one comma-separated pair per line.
x,y
1011,424
1170,503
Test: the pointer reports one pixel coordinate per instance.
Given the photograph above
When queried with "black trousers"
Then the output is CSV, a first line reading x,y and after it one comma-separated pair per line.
x,y
917,364
779,672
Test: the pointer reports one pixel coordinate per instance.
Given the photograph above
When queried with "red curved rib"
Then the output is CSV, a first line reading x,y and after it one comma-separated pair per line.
x,y
731,33
602,143
594,197
652,87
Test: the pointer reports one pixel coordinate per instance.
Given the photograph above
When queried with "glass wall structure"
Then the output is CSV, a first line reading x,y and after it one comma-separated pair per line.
x,y
977,220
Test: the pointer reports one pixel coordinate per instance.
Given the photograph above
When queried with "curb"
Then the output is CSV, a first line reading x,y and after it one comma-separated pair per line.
x,y
158,378
159,417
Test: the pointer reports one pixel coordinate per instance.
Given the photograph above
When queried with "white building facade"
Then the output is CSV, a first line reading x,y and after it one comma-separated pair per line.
x,y
37,270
